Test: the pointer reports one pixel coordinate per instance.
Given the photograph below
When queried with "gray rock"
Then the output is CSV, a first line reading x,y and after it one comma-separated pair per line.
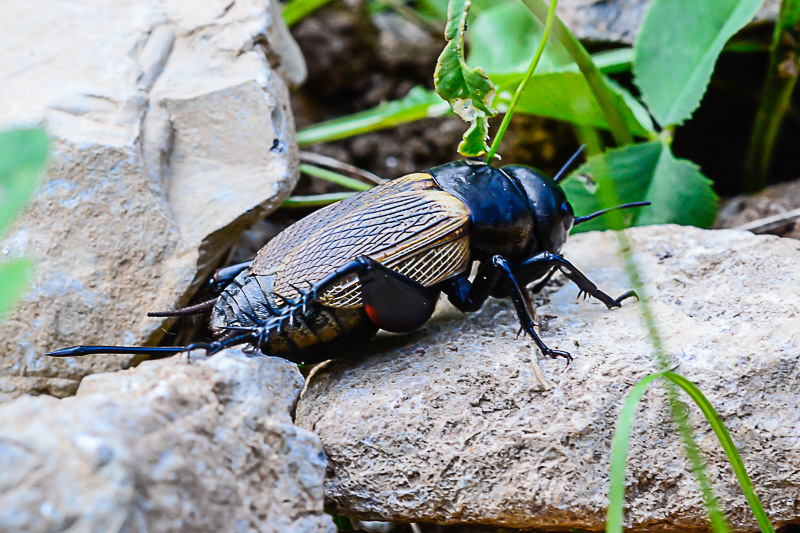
x,y
451,425
619,20
775,210
171,133
167,446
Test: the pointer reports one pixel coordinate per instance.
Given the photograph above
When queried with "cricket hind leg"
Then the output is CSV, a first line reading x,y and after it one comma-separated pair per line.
x,y
393,302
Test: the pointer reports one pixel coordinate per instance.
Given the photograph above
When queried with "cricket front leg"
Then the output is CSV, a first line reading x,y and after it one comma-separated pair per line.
x,y
584,284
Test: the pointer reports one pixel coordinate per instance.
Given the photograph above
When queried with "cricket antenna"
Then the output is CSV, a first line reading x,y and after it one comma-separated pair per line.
x,y
580,220
568,163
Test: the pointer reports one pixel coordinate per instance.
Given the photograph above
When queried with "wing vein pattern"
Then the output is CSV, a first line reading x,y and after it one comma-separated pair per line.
x,y
407,224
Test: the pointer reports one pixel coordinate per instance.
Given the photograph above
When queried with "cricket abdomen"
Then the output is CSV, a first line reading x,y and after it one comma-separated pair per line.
x,y
318,334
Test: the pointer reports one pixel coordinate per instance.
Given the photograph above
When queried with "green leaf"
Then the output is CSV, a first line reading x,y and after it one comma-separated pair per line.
x,y
504,38
23,153
418,104
679,192
677,48
296,10
469,91
14,281
565,95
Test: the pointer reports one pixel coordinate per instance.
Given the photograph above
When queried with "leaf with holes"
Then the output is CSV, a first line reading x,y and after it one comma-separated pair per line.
x,y
468,90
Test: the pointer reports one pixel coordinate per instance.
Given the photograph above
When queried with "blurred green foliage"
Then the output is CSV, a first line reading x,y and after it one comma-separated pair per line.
x,y
23,154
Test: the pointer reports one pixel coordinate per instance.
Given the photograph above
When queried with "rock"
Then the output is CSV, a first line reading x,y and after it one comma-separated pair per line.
x,y
619,20
769,211
171,133
451,425
167,446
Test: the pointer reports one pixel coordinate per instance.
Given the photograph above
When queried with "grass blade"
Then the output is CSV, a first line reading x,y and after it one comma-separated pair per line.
x,y
728,446
608,197
316,200
619,454
622,135
334,177
418,104
784,63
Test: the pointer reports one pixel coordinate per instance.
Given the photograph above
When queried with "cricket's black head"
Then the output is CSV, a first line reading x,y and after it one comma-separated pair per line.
x,y
552,214
517,211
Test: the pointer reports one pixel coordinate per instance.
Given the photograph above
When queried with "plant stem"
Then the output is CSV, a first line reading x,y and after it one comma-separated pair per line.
x,y
317,200
334,177
784,64
619,129
551,12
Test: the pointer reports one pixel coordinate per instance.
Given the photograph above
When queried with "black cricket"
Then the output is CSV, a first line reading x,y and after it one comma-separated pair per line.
x,y
375,261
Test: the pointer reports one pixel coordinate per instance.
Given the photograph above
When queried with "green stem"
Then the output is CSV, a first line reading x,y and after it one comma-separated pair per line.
x,y
317,200
334,177
521,87
616,122
775,98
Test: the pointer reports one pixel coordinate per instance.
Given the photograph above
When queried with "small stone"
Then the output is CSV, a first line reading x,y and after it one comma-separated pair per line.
x,y
769,206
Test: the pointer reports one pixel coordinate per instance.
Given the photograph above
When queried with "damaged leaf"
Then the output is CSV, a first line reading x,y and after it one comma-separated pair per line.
x,y
468,90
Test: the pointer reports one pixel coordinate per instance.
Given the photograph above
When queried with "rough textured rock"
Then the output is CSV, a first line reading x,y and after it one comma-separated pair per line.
x,y
619,20
171,132
168,446
450,424
776,201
